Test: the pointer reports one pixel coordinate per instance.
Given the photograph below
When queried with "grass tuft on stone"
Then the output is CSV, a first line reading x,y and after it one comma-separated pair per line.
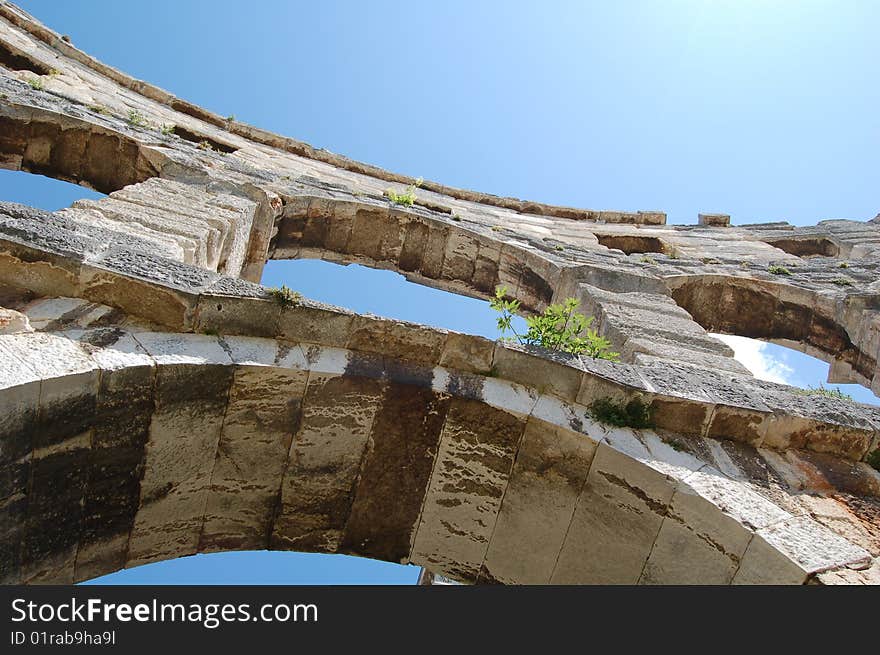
x,y
284,296
633,414
136,118
822,390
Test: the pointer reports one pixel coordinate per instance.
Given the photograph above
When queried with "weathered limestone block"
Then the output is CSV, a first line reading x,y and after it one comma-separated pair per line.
x,y
192,386
696,544
714,220
12,322
399,460
58,463
474,460
616,522
325,461
263,413
20,386
546,481
123,414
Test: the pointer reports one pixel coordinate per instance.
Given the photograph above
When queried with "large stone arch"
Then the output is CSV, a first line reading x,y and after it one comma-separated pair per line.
x,y
130,447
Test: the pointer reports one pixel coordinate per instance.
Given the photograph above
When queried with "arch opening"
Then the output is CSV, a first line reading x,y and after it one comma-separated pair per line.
x,y
264,567
428,248
746,308
806,247
789,364
48,193
14,59
103,160
385,293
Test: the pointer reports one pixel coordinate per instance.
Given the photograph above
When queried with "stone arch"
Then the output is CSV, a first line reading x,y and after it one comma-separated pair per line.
x,y
431,247
781,313
70,149
131,447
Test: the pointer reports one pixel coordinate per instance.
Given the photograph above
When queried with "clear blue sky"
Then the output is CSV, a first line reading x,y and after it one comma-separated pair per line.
x,y
765,111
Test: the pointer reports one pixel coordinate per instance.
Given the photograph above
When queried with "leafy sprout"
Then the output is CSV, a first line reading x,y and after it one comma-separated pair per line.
x,y
559,328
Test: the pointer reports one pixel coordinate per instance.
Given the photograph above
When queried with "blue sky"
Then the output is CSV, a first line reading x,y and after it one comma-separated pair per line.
x,y
766,111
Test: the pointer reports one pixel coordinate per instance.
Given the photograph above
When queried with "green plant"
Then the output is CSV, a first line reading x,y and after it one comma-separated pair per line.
x,y
842,282
168,129
559,328
456,218
778,270
843,265
36,83
54,72
822,390
100,109
408,197
560,248
284,296
496,228
231,117
136,118
647,259
205,145
874,459
633,414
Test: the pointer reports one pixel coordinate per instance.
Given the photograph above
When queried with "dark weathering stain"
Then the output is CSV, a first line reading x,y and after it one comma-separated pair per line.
x,y
405,436
365,365
534,284
467,386
655,505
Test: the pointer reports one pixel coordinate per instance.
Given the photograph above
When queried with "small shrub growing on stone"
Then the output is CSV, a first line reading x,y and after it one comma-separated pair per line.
x,y
168,129
559,328
284,296
406,198
136,118
633,414
100,109
36,83
778,270
647,259
873,459
842,282
843,265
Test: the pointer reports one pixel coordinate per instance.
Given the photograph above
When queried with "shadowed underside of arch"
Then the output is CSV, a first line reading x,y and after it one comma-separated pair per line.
x,y
155,404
